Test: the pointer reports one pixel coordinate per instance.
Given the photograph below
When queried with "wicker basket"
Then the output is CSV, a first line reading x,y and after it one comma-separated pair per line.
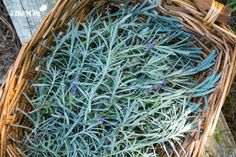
x,y
208,35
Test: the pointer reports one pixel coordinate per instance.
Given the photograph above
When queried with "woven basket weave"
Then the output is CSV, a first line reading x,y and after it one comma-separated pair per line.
x,y
208,35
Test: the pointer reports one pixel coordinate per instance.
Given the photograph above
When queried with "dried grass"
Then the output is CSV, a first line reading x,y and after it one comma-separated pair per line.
x,y
9,45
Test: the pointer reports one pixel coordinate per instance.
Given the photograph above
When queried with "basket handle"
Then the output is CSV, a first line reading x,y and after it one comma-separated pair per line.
x,y
215,11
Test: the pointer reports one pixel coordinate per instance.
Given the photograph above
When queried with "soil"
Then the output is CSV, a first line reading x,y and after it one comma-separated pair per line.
x,y
9,42
229,109
233,21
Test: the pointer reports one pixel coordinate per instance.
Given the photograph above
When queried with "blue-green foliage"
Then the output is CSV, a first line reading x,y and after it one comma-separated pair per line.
x,y
119,84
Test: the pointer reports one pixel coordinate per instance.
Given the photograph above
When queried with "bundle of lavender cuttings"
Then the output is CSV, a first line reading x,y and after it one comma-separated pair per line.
x,y
120,84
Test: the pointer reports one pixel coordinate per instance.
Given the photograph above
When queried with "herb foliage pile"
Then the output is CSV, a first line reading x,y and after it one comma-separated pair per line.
x,y
119,84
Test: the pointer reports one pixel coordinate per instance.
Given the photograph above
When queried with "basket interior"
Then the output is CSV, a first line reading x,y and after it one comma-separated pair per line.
x,y
217,36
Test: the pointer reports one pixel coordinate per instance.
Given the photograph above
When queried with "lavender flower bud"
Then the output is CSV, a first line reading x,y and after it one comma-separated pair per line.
x,y
74,88
101,120
165,81
150,44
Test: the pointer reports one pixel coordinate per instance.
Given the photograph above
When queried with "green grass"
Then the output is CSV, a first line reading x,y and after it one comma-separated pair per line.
x,y
232,4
